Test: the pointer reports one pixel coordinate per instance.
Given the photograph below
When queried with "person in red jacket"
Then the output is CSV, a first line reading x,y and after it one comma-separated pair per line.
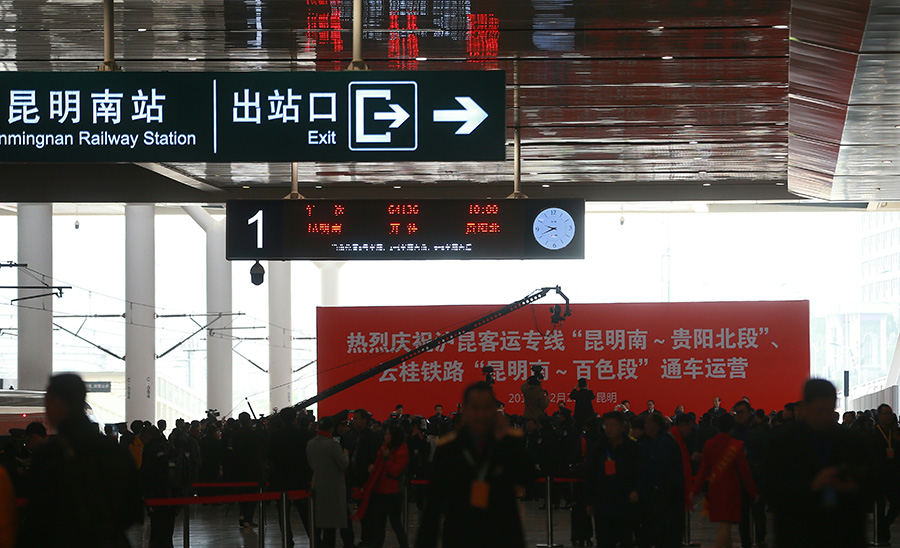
x,y
9,517
381,494
725,468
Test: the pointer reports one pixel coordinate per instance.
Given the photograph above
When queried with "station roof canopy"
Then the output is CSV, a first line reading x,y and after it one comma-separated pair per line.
x,y
620,100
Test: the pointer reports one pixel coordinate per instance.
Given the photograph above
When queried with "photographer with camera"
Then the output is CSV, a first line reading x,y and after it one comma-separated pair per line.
x,y
536,401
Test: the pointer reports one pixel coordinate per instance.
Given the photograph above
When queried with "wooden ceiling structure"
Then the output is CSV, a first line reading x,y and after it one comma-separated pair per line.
x,y
845,100
620,100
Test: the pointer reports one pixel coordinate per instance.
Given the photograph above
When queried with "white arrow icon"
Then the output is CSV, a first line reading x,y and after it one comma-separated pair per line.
x,y
472,115
398,115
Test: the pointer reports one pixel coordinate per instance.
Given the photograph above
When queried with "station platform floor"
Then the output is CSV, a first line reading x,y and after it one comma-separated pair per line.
x,y
217,527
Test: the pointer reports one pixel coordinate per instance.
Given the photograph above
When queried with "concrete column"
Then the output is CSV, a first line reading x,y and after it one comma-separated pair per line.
x,y
219,355
35,241
140,313
329,282
280,334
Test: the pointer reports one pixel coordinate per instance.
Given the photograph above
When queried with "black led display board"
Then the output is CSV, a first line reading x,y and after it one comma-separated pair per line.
x,y
405,229
252,117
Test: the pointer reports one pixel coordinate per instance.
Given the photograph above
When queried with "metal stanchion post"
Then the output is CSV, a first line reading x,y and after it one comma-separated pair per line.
x,y
186,533
549,505
262,520
752,525
404,516
285,519
314,533
687,532
874,524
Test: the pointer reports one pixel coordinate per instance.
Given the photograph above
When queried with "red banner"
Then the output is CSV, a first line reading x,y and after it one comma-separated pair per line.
x,y
673,353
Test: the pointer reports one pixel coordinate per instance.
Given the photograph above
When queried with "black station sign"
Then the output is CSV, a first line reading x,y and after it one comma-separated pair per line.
x,y
98,386
252,117
405,229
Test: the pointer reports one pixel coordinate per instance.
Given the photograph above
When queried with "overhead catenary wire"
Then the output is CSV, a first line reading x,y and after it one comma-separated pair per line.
x,y
95,345
42,277
377,355
313,374
114,317
213,332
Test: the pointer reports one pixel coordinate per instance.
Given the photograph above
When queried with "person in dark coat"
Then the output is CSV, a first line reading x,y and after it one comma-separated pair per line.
x,y
885,441
249,447
85,491
477,472
582,526
419,460
193,453
625,408
366,446
661,486
180,438
717,410
328,463
211,449
156,481
290,469
613,472
584,404
755,436
570,438
548,448
535,398
367,443
819,477
438,424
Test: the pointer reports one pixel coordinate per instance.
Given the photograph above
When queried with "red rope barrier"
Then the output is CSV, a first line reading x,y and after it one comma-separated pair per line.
x,y
224,499
298,494
183,501
227,484
539,480
560,480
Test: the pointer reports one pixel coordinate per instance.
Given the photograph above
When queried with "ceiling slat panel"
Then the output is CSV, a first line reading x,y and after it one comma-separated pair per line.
x,y
600,104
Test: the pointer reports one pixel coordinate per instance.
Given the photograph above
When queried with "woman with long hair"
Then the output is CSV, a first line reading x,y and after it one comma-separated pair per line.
x,y
381,494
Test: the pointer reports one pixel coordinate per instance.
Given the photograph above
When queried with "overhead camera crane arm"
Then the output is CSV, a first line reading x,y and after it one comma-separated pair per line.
x,y
556,317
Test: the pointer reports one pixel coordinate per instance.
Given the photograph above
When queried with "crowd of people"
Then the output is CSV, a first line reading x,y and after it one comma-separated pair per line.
x,y
638,473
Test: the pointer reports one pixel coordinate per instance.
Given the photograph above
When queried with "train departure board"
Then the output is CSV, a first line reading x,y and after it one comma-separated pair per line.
x,y
405,229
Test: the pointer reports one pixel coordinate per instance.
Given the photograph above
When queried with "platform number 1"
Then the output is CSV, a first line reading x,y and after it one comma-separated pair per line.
x,y
258,218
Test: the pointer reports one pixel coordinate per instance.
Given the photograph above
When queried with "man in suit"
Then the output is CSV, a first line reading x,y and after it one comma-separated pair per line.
x,y
437,424
477,472
289,466
328,462
819,477
717,410
249,450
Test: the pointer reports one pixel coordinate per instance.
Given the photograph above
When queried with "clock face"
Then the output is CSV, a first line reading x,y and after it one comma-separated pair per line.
x,y
554,228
